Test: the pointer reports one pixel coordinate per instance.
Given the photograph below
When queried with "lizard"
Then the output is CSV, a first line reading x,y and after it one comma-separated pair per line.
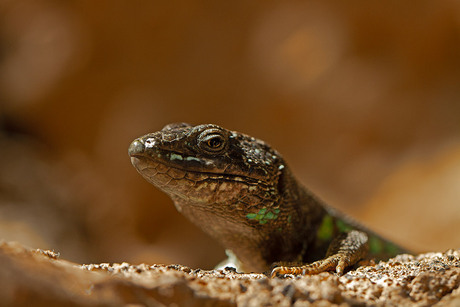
x,y
240,191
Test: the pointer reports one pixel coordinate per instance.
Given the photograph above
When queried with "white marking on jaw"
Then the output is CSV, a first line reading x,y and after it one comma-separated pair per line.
x,y
192,158
175,156
209,162
149,143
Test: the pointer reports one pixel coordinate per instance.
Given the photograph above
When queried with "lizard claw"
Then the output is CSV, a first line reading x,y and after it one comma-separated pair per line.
x,y
341,266
282,270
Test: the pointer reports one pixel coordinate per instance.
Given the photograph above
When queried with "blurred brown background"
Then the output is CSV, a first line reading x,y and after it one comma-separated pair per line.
x,y
361,97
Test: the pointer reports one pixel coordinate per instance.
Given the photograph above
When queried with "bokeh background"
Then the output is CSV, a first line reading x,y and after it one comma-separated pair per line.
x,y
361,97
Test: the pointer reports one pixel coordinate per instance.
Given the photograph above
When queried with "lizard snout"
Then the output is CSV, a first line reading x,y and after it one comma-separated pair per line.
x,y
136,148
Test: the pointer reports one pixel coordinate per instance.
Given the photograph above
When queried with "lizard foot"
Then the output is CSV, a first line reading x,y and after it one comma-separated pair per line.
x,y
337,262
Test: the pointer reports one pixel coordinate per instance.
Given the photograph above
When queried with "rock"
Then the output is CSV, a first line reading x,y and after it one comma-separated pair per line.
x,y
40,278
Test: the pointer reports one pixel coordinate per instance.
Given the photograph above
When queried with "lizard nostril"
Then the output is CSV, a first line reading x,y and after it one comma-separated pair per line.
x,y
136,148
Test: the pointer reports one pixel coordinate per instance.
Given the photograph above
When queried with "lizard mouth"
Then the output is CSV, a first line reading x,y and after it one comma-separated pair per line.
x,y
153,161
152,168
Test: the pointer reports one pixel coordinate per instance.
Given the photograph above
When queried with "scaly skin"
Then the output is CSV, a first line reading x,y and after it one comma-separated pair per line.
x,y
241,192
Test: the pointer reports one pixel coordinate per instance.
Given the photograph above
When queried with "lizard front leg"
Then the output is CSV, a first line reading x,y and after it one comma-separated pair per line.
x,y
344,250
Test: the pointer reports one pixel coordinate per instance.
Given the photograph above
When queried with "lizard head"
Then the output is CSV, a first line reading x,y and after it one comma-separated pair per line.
x,y
235,187
205,163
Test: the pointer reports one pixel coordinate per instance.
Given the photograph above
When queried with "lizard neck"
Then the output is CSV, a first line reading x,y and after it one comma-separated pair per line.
x,y
259,230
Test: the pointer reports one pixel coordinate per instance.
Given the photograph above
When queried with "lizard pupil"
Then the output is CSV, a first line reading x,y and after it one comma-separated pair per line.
x,y
215,142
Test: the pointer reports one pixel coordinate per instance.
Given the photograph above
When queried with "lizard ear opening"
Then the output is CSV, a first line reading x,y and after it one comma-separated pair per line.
x,y
282,180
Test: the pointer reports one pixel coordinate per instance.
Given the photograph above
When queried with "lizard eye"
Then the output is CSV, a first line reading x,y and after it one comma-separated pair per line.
x,y
215,143
211,142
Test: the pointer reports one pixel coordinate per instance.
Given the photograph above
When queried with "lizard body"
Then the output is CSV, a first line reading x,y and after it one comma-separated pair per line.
x,y
241,192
